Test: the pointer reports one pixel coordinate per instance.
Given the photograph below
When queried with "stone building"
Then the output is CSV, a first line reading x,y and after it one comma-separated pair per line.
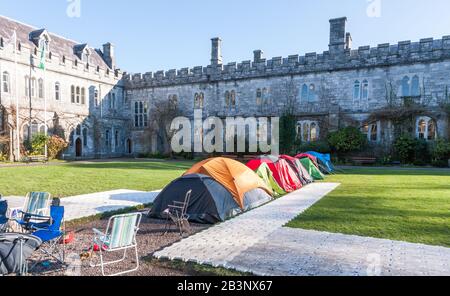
x,y
368,87
79,96
103,112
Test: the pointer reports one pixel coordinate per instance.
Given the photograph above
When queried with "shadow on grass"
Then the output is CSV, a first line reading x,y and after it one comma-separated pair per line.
x,y
395,172
164,166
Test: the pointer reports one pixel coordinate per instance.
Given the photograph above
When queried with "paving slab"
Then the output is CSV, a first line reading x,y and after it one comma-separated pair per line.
x,y
88,205
220,244
299,252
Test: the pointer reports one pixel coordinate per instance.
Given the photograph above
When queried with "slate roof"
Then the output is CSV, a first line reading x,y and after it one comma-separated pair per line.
x,y
58,45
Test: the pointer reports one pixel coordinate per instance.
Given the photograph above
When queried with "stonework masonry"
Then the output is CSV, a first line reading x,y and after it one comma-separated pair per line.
x,y
338,87
408,70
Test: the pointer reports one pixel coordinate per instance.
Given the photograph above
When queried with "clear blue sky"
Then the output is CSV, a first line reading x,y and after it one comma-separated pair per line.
x,y
153,35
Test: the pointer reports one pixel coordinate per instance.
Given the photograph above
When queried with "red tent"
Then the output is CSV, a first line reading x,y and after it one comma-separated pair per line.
x,y
282,172
301,172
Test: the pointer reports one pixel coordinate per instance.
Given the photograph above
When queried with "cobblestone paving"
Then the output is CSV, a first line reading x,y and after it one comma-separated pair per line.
x,y
300,252
88,205
220,244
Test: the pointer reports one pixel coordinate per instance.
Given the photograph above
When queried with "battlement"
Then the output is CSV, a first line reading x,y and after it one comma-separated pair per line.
x,y
339,56
404,52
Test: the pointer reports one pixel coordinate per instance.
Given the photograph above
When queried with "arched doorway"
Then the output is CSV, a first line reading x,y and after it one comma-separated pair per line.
x,y
78,148
129,147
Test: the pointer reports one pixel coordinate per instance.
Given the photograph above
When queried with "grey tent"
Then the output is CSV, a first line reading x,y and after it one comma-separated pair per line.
x,y
210,201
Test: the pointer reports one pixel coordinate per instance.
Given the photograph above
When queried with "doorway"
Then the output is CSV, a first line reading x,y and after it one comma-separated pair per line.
x,y
129,147
78,148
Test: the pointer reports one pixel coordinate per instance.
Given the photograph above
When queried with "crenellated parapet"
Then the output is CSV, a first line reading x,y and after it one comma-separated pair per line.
x,y
339,56
404,52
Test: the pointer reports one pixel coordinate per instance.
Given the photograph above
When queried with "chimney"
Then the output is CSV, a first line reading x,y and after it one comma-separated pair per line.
x,y
337,35
348,41
216,51
257,55
109,55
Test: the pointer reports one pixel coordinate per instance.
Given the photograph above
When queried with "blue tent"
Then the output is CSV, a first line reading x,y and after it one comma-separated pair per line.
x,y
324,162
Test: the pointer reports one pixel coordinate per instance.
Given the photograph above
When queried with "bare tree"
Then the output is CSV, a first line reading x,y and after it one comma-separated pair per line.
x,y
162,113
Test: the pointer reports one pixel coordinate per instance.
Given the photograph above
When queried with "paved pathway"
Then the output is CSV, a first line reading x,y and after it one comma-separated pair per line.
x,y
298,252
88,205
256,242
220,244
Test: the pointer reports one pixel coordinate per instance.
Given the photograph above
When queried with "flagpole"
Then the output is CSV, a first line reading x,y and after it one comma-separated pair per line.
x,y
45,99
17,98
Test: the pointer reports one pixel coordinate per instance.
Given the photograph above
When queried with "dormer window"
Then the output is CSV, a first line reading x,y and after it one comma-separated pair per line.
x,y
98,68
19,47
64,59
85,57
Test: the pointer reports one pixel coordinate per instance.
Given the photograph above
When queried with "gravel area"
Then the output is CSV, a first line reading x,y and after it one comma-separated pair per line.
x,y
150,238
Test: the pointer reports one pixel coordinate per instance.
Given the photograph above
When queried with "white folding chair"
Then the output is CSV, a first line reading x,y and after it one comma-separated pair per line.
x,y
120,235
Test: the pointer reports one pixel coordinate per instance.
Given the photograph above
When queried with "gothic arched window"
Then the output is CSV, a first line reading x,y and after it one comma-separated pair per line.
x,y
415,86
356,90
406,90
259,101
312,93
308,131
426,128
304,95
365,90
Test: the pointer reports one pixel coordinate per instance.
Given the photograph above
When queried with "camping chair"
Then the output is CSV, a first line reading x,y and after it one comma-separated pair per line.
x,y
52,236
177,214
35,209
120,235
15,249
4,221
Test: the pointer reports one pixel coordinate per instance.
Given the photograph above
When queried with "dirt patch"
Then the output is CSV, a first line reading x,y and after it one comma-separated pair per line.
x,y
150,239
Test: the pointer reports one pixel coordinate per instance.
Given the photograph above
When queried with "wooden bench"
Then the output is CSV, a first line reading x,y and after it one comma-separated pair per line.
x,y
36,158
364,160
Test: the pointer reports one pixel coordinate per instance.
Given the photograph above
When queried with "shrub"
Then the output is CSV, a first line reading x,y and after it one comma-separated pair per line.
x,y
320,146
404,148
38,144
56,145
412,151
349,139
440,153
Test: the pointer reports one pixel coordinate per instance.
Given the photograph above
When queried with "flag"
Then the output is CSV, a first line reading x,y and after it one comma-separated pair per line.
x,y
43,53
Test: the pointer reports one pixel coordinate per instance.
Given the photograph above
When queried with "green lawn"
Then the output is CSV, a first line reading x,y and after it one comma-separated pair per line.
x,y
408,205
80,178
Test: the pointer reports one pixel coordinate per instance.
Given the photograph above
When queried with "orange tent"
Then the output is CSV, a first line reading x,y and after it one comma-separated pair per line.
x,y
234,176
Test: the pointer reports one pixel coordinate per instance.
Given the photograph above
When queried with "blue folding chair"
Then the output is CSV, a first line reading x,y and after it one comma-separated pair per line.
x,y
53,236
4,221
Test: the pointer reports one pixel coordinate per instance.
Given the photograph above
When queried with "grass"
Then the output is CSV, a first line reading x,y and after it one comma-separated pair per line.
x,y
400,204
83,178
195,269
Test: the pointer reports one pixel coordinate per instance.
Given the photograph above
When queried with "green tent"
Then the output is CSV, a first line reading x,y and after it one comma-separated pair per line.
x,y
312,169
266,175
